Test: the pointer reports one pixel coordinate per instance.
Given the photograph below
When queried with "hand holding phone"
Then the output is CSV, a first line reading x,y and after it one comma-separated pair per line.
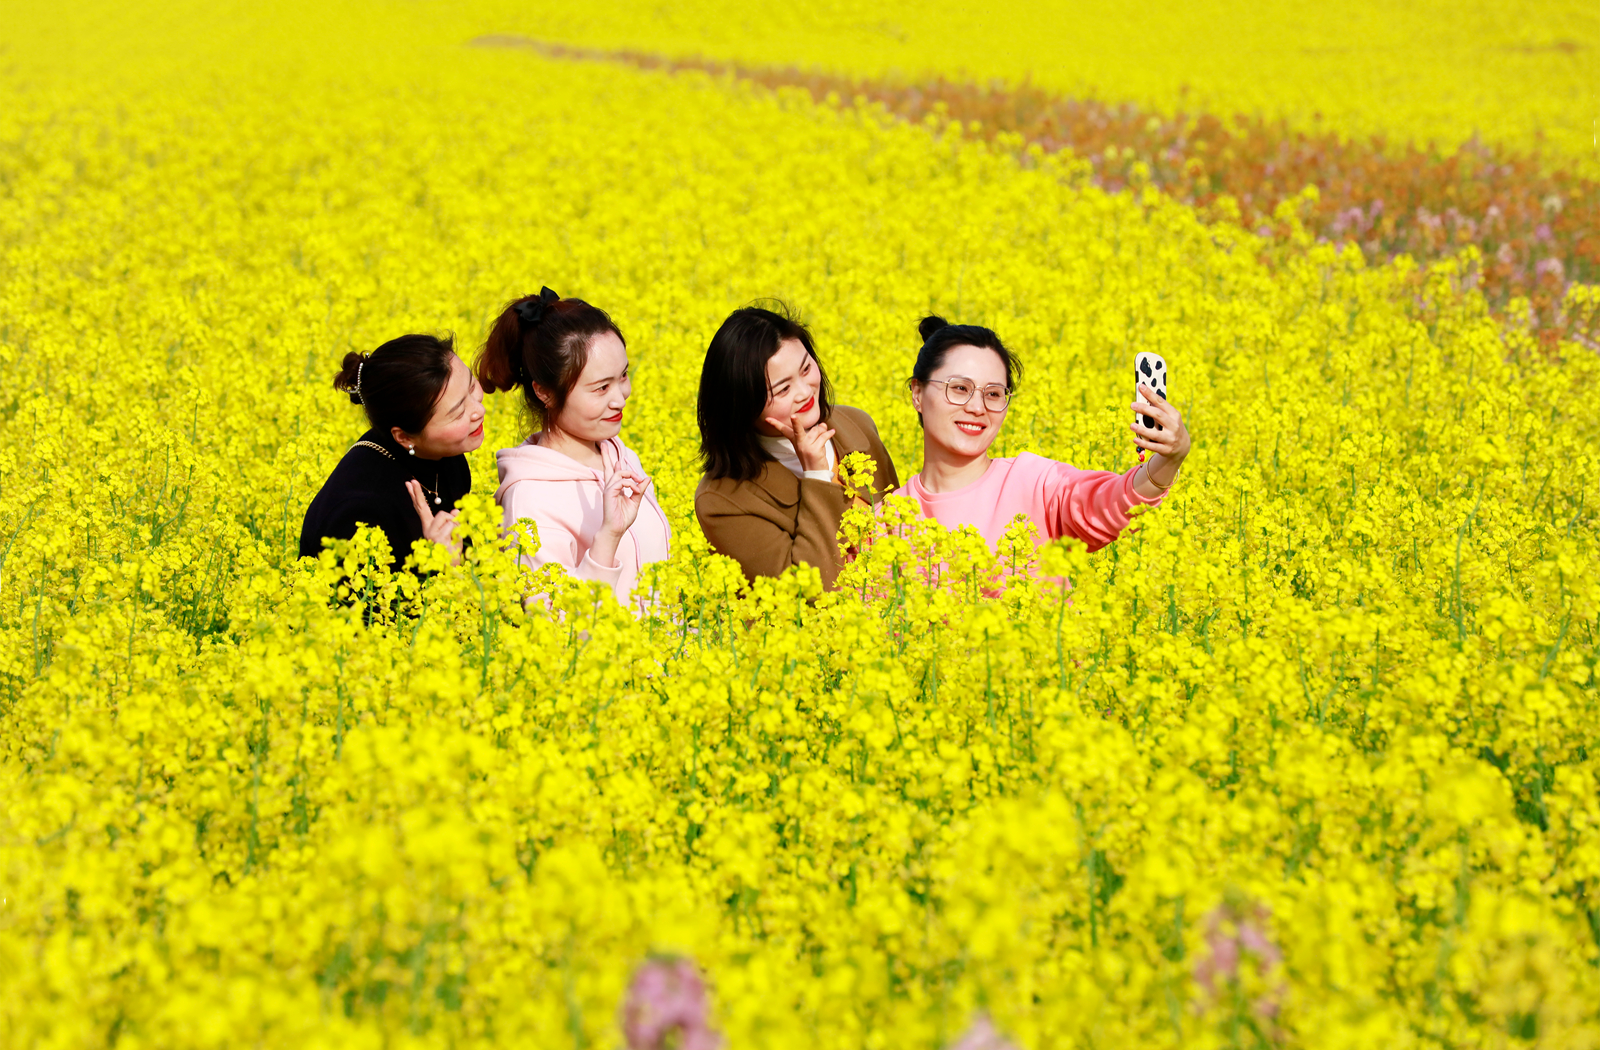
x,y
1149,369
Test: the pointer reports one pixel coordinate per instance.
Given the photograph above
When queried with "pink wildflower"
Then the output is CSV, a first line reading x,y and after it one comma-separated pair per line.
x,y
667,996
1232,933
1348,219
1550,268
982,1035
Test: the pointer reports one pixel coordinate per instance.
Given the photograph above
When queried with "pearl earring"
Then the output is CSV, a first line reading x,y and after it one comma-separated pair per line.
x,y
412,450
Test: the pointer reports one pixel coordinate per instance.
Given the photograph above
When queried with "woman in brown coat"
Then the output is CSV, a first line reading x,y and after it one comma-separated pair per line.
x,y
771,441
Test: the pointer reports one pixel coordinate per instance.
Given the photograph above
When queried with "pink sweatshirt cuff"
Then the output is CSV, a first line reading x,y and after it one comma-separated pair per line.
x,y
1131,494
589,569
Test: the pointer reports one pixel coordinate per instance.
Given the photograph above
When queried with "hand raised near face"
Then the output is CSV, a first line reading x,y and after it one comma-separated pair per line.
x,y
810,445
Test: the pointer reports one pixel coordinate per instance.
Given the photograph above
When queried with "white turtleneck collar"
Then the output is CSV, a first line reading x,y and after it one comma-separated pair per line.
x,y
782,450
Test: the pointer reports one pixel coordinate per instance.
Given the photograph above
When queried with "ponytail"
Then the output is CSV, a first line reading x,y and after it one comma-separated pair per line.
x,y
349,377
541,342
399,383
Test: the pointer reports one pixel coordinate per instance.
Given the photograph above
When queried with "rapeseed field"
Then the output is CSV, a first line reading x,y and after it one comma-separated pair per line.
x,y
1307,758
1525,74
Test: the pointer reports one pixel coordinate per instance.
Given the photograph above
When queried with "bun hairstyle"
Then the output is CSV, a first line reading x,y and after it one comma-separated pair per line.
x,y
399,383
734,390
939,335
541,340
931,324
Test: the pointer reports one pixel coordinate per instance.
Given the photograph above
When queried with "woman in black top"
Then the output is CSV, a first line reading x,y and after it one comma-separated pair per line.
x,y
406,473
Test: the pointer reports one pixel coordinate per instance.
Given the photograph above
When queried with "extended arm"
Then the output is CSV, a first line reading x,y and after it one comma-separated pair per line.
x,y
1091,505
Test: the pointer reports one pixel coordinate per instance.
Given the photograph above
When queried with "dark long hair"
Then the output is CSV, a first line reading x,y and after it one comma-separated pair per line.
x,y
733,387
399,383
550,348
939,335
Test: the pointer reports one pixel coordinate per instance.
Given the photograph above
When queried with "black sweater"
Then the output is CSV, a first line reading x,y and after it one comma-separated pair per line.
x,y
369,488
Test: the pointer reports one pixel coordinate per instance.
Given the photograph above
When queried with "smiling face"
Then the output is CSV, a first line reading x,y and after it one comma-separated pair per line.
x,y
793,382
962,431
456,425
593,411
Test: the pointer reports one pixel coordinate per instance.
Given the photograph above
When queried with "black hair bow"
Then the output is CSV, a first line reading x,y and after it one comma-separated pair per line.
x,y
531,311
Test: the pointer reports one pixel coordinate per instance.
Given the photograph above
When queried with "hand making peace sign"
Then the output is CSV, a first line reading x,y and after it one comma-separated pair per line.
x,y
440,528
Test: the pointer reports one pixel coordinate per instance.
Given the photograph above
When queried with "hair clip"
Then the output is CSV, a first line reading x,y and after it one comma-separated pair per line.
x,y
531,311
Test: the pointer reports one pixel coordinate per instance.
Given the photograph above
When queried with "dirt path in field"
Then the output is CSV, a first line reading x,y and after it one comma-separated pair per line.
x,y
1537,230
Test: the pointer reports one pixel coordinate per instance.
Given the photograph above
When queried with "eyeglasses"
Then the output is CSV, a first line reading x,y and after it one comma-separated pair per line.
x,y
958,390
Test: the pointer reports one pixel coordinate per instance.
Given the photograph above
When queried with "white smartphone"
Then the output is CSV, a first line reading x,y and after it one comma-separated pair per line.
x,y
1151,370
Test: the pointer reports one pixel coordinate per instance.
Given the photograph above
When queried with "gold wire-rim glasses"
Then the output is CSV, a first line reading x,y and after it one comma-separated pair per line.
x,y
991,391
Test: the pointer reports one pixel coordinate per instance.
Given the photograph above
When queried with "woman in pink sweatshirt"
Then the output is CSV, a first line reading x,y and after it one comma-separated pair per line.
x,y
586,490
961,387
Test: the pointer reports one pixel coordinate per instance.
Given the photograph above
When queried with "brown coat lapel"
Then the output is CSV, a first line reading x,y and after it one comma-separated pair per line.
x,y
776,519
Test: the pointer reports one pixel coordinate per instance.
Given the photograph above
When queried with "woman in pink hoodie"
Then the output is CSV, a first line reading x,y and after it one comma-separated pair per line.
x,y
593,503
961,387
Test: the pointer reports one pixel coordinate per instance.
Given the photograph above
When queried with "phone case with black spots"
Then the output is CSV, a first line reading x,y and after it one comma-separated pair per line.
x,y
1151,370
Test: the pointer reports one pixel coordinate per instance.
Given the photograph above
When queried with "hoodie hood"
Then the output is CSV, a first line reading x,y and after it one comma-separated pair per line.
x,y
533,462
564,499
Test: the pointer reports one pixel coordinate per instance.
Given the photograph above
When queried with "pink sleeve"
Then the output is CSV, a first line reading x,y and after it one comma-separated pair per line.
x,y
589,569
556,544
1090,505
